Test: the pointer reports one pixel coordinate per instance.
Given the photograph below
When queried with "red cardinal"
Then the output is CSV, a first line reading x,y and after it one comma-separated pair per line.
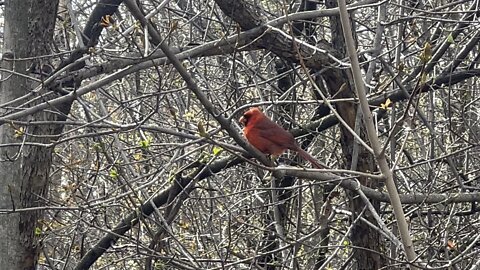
x,y
270,138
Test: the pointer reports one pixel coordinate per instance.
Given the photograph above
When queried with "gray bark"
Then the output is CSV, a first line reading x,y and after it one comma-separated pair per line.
x,y
23,169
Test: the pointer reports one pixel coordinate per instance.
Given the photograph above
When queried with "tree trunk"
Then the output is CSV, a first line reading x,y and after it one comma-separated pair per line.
x,y
362,235
23,169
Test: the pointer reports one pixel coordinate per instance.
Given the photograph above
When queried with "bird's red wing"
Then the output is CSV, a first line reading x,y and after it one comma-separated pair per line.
x,y
261,143
275,134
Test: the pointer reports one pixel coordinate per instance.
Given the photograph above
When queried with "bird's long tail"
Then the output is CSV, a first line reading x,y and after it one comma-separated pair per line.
x,y
305,155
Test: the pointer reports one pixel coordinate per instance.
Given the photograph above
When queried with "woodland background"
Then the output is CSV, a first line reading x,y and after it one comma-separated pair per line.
x,y
120,146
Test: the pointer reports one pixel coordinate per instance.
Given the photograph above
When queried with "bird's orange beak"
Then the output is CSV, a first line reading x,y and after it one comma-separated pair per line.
x,y
243,120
